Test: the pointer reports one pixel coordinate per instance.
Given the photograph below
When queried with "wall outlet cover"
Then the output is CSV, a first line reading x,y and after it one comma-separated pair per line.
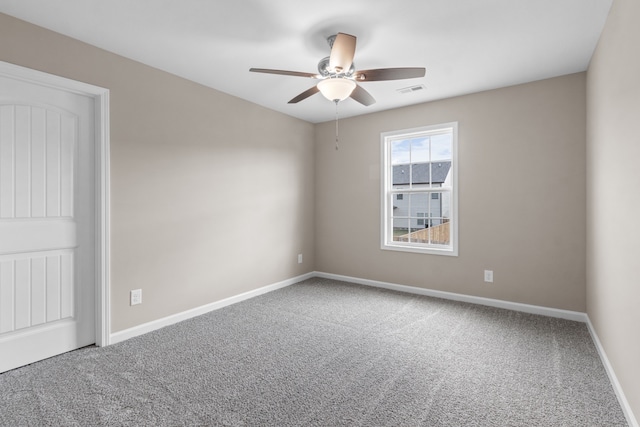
x,y
488,276
136,296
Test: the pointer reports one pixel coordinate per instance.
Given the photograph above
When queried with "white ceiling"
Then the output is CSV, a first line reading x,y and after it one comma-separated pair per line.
x,y
465,45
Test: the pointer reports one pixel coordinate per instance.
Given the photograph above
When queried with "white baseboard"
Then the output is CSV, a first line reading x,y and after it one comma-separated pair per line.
x,y
515,306
624,403
178,317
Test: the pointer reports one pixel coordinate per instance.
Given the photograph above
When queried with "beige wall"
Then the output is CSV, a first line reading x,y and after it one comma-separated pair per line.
x,y
522,195
613,194
212,196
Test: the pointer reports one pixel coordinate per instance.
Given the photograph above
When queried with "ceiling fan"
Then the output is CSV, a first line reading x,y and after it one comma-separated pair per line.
x,y
338,76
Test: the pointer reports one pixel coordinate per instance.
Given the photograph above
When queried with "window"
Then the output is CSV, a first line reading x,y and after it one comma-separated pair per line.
x,y
419,169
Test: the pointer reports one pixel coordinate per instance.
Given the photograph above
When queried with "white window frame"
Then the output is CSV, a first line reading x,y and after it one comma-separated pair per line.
x,y
388,193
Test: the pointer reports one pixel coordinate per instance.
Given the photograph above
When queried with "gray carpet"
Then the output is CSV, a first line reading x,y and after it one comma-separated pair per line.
x,y
326,353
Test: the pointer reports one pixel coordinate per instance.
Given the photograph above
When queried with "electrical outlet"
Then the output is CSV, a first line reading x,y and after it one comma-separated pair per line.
x,y
488,276
136,296
299,258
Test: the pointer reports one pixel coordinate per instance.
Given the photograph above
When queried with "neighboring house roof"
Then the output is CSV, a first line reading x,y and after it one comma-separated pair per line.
x,y
420,173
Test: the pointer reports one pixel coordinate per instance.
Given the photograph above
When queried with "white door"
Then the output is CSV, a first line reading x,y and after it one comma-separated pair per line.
x,y
47,222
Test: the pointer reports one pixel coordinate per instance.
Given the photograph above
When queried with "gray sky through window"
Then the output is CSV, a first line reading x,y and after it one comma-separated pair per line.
x,y
416,150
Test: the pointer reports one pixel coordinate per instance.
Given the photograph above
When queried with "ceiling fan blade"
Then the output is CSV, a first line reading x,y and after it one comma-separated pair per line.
x,y
304,95
284,72
389,74
342,52
362,96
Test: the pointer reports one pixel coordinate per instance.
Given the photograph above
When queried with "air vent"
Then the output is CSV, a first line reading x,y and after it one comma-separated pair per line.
x,y
411,89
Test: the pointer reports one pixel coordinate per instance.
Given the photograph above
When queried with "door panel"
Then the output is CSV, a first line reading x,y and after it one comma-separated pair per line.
x,y
37,155
47,222
36,289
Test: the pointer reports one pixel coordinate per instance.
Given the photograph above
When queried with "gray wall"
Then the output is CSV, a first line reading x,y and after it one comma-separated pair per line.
x,y
521,200
613,188
212,196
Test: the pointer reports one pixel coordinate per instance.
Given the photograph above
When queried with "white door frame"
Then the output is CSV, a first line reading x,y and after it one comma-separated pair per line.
x,y
101,143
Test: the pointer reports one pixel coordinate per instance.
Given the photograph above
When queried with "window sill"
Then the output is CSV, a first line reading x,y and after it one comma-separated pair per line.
x,y
420,250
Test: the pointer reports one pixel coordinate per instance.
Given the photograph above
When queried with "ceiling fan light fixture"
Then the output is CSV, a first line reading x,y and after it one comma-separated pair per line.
x,y
338,76
336,89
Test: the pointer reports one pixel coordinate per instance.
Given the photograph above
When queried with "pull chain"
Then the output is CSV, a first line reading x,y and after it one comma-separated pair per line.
x,y
336,101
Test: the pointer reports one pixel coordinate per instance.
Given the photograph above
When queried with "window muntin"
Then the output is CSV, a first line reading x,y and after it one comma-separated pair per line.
x,y
419,212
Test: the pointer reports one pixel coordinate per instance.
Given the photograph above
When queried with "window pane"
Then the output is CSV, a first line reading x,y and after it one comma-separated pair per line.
x,y
400,230
435,220
435,207
418,209
400,204
419,203
401,176
400,152
441,147
445,205
440,173
419,235
420,175
420,150
439,232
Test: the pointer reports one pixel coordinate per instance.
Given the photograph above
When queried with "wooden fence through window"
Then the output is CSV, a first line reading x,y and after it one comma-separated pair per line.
x,y
440,235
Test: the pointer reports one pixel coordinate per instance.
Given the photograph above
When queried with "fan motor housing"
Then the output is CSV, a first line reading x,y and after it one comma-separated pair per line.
x,y
323,69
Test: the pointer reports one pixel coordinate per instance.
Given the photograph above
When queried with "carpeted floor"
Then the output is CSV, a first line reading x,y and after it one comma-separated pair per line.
x,y
326,353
